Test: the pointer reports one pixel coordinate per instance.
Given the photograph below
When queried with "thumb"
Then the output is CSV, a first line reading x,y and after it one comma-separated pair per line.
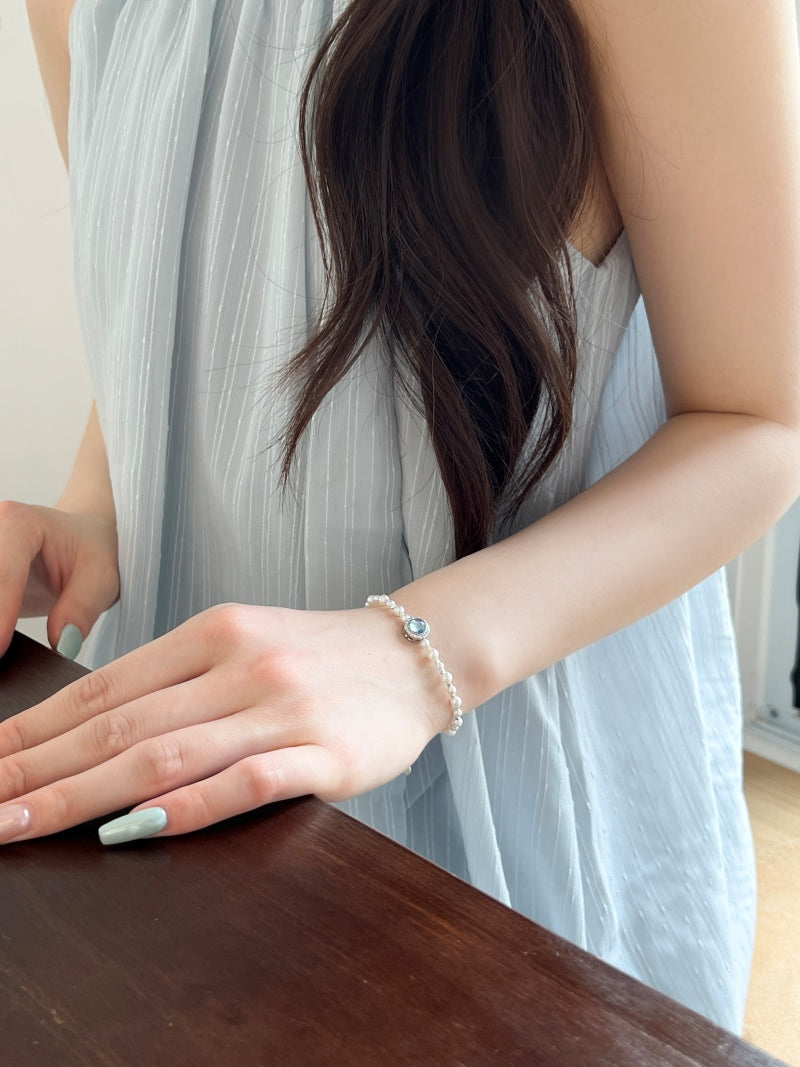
x,y
72,617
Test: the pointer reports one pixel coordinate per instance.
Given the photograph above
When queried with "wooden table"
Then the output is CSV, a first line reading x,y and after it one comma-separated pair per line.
x,y
295,936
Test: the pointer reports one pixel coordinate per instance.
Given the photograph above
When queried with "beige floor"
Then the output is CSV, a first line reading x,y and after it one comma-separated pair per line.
x,y
773,1007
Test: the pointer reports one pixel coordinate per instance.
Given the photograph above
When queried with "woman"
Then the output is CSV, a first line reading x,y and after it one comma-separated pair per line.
x,y
475,425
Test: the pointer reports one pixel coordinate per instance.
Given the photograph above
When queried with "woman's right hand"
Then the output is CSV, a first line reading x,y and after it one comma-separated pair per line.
x,y
55,563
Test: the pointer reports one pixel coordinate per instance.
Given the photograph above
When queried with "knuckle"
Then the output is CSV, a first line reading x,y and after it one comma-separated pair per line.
x,y
195,810
161,763
61,807
21,524
92,694
10,511
13,738
281,670
227,624
111,734
16,779
262,781
14,513
18,524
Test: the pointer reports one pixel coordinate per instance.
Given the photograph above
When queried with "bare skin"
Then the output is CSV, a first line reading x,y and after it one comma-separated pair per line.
x,y
240,706
61,562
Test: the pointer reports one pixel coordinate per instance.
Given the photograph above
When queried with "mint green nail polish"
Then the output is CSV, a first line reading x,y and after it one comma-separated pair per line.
x,y
133,827
70,642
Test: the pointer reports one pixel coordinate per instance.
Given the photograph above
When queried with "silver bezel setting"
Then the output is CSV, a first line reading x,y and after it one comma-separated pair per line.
x,y
418,632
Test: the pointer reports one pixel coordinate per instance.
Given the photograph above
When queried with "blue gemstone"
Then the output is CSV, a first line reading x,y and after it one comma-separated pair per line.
x,y
416,629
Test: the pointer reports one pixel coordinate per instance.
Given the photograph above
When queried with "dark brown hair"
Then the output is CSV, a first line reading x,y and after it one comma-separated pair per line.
x,y
448,149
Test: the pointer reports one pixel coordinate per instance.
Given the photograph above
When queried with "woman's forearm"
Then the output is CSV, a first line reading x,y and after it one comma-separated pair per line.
x,y
88,490
49,20
704,488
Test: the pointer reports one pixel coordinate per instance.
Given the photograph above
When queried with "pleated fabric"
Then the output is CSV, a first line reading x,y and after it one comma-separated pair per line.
x,y
602,797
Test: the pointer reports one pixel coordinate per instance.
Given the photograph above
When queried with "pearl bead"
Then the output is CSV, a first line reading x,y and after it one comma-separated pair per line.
x,y
415,634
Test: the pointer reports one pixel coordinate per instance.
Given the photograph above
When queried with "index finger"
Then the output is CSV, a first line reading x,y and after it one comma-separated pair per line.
x,y
165,662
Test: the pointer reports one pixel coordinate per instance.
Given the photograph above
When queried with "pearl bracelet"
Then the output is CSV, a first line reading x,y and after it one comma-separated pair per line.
x,y
418,631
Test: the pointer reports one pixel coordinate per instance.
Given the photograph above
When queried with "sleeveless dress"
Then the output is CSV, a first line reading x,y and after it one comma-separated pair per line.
x,y
602,797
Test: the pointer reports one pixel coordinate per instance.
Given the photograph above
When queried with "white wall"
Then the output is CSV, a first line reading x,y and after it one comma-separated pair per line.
x,y
44,390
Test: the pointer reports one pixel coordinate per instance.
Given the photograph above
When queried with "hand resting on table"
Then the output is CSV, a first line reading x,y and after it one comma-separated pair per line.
x,y
238,707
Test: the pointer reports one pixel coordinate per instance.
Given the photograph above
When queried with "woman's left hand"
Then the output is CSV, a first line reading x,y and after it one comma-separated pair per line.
x,y
238,707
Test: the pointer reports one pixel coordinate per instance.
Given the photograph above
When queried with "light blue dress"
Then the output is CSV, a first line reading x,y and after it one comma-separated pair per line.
x,y
603,796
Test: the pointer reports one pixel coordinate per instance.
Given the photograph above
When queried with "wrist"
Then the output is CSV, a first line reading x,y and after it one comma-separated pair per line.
x,y
88,491
456,613
417,632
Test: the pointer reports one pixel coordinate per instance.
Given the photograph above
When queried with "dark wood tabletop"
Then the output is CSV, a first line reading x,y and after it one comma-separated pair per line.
x,y
295,936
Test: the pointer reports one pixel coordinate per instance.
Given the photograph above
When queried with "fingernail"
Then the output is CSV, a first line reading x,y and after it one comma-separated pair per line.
x,y
69,644
133,827
14,820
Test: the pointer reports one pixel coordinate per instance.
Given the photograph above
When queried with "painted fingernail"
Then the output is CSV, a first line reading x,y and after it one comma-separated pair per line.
x,y
70,642
14,820
133,827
